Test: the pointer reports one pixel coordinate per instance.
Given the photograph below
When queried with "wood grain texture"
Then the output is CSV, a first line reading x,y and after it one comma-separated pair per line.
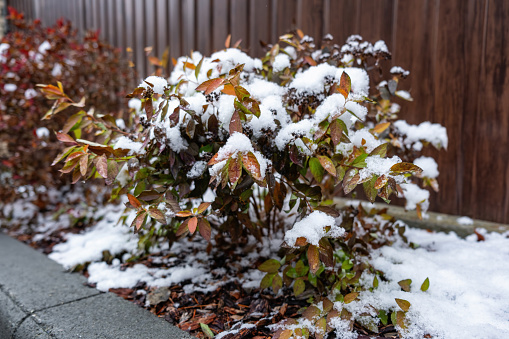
x,y
456,50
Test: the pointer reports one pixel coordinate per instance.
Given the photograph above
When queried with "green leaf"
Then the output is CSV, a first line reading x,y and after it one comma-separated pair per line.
x,y
316,169
140,188
198,68
360,162
351,297
300,269
63,154
267,280
351,180
383,317
270,266
425,285
393,318
369,188
277,283
375,283
380,150
204,327
298,287
347,264
404,304
292,273
405,284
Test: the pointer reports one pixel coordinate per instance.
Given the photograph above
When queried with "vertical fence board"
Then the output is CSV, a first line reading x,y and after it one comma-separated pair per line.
x,y
203,26
220,29
188,27
175,28
311,19
286,16
343,20
492,151
239,28
259,30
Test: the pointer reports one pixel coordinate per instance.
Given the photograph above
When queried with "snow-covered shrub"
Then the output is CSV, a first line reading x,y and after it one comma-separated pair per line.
x,y
32,55
232,146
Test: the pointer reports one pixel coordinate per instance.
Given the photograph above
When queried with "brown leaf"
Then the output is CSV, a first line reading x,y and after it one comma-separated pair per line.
x,y
251,165
204,228
210,85
381,181
351,297
191,225
65,138
405,167
381,127
235,123
227,41
84,164
154,60
310,60
203,207
102,166
404,304
345,85
140,218
157,215
480,237
351,180
133,201
327,163
184,214
228,89
313,258
336,132
182,228
235,170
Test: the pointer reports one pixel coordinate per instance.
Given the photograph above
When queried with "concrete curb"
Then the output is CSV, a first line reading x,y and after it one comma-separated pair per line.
x,y
435,221
39,299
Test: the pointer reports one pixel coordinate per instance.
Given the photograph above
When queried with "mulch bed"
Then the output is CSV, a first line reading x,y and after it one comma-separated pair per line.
x,y
221,309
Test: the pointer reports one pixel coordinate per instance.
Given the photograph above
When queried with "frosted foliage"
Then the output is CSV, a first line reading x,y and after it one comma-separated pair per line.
x,y
414,196
330,108
428,165
281,61
436,134
158,82
312,227
126,143
292,131
364,138
375,165
312,80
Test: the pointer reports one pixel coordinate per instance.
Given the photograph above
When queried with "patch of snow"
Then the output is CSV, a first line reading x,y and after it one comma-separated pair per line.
x,y
429,166
465,221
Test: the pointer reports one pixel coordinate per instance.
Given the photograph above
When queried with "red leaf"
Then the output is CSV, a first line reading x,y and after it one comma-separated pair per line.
x,y
102,166
252,166
228,89
345,85
140,218
235,123
65,138
84,164
133,201
327,163
203,207
235,170
210,85
204,228
191,225
313,258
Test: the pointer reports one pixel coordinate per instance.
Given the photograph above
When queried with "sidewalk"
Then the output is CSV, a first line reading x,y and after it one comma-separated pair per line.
x,y
39,299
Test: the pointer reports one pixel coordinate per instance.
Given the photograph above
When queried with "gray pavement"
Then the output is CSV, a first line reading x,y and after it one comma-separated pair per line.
x,y
39,299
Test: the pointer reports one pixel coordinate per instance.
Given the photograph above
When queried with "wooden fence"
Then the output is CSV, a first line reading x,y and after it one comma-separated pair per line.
x,y
457,52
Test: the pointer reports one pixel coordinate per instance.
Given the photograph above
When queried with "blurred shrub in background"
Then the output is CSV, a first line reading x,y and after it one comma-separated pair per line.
x,y
29,55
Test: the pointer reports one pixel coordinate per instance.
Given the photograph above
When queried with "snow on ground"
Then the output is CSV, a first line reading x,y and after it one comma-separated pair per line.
x,y
468,295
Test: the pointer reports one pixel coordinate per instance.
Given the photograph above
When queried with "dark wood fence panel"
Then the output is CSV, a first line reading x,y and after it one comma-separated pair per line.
x,y
457,52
